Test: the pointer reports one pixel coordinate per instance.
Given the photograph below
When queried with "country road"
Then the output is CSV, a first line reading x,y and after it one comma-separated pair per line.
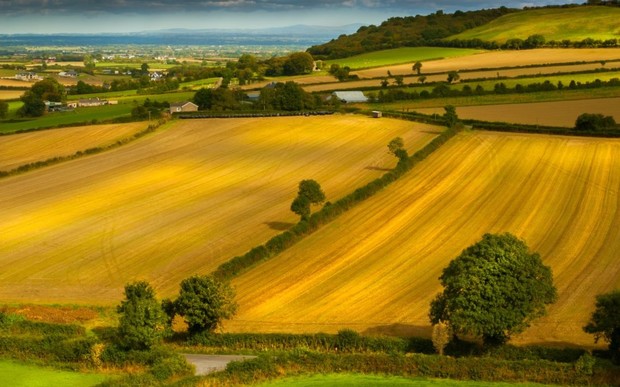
x,y
206,364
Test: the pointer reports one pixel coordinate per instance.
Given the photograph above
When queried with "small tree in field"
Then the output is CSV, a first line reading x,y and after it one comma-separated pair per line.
x,y
494,289
417,67
605,322
204,302
142,323
4,109
309,193
453,76
396,147
450,116
441,336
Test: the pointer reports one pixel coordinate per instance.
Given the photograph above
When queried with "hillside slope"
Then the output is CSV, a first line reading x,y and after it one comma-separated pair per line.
x,y
376,268
176,203
574,24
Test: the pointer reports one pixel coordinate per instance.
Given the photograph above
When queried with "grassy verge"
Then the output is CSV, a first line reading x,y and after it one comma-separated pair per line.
x,y
20,374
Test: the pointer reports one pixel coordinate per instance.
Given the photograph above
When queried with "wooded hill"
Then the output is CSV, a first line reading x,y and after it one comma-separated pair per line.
x,y
437,29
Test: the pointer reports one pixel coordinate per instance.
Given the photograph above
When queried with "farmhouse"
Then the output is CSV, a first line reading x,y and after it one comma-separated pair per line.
x,y
27,76
183,107
68,74
350,96
88,102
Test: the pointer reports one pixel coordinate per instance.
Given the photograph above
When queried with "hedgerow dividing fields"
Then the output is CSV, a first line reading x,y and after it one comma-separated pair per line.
x,y
177,203
376,268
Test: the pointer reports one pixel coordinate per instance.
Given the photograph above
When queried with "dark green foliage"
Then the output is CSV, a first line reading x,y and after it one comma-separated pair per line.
x,y
405,31
142,322
453,76
298,63
450,116
33,105
494,289
217,99
309,193
605,322
4,109
204,302
594,123
287,96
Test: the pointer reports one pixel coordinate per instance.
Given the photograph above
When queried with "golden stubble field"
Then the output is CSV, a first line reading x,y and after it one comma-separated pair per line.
x,y
498,58
178,202
555,113
376,268
24,148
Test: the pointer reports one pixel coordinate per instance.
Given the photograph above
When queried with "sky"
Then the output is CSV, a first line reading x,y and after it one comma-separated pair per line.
x,y
103,16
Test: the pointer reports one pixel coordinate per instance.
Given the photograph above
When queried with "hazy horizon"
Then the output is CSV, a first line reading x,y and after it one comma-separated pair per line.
x,y
126,16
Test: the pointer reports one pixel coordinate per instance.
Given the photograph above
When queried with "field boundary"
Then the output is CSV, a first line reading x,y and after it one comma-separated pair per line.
x,y
79,154
330,211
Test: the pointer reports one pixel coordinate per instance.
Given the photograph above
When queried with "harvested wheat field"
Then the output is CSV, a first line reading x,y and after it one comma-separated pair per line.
x,y
10,94
557,113
10,82
178,202
497,59
376,268
20,149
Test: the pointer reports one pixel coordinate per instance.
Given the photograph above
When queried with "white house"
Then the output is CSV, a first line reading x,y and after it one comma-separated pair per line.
x,y
27,76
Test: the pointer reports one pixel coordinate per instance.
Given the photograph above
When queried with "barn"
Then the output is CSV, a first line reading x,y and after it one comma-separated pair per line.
x,y
350,96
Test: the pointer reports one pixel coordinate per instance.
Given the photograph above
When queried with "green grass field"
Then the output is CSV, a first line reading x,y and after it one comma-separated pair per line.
x,y
21,375
346,380
574,24
400,55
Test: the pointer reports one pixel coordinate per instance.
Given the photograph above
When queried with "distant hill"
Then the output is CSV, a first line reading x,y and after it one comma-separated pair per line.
x,y
573,23
406,31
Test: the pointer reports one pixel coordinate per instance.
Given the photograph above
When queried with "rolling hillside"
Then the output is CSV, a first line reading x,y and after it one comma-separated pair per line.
x,y
177,202
376,268
574,24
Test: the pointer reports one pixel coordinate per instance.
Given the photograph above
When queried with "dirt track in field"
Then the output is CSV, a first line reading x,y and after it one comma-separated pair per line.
x,y
376,268
558,113
178,202
20,149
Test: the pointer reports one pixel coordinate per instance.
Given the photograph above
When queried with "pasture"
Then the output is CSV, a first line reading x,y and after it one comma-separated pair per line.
x,y
375,269
574,24
177,203
556,113
20,149
401,55
24,375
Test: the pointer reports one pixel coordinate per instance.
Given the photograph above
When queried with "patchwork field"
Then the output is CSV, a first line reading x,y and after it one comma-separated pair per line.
x,y
376,268
557,113
178,202
20,149
497,59
401,55
10,94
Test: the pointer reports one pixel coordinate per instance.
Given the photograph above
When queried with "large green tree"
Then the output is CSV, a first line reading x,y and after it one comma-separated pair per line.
x,y
4,109
309,193
142,322
34,99
588,122
494,289
605,321
204,302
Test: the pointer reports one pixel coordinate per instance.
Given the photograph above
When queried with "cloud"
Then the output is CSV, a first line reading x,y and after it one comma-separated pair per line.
x,y
12,7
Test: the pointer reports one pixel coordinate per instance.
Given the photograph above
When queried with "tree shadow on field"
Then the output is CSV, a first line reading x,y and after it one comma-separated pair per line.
x,y
400,330
279,226
436,132
371,168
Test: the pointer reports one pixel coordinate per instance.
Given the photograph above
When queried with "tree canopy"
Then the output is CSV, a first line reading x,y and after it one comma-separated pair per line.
x,y
143,322
309,193
605,321
494,289
594,122
204,302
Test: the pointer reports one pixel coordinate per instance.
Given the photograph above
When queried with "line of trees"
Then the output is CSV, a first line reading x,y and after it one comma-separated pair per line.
x,y
203,302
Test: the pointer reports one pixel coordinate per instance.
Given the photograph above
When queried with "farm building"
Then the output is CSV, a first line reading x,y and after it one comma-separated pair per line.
x,y
91,102
183,107
27,76
350,96
376,114
68,74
